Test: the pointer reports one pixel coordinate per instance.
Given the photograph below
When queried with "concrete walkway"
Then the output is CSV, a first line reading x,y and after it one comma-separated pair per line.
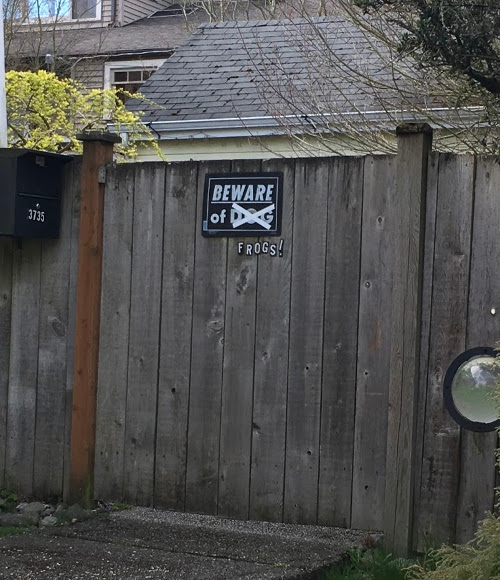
x,y
145,544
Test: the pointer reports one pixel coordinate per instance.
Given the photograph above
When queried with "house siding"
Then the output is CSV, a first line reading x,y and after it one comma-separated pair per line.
x,y
107,12
245,148
90,72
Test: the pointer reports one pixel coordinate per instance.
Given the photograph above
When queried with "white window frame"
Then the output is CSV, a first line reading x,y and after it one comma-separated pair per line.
x,y
27,20
124,65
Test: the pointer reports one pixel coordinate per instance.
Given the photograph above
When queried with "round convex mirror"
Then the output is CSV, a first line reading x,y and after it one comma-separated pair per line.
x,y
468,389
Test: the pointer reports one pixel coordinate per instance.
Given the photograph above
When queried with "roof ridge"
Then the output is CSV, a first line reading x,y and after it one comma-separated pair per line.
x,y
272,22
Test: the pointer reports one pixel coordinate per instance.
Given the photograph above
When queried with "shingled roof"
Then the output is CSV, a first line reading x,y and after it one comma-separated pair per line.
x,y
149,35
262,69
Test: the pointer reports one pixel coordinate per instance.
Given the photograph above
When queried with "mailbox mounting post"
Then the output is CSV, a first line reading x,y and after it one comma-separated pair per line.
x,y
97,152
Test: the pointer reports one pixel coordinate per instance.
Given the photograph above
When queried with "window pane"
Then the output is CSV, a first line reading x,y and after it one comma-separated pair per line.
x,y
84,9
120,76
49,8
12,9
135,76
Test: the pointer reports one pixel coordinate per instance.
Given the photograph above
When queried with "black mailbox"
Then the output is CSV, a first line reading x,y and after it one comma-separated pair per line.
x,y
30,197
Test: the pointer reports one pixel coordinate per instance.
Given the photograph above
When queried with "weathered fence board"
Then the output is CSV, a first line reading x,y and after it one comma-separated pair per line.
x,y
345,205
52,361
374,330
271,366
6,246
114,338
23,366
72,189
175,342
207,347
238,375
145,301
441,453
306,342
427,280
477,471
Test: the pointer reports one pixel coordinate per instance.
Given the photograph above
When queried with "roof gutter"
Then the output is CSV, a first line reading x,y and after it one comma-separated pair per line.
x,y
265,126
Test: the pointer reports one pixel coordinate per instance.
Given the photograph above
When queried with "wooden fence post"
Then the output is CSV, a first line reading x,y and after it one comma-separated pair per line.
x,y
97,153
414,146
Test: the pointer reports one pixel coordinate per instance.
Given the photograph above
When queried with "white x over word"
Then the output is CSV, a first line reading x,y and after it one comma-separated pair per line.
x,y
252,218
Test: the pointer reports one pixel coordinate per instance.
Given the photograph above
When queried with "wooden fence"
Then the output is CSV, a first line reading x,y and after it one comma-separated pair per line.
x,y
256,386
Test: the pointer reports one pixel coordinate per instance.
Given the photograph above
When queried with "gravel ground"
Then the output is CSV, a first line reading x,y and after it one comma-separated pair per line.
x,y
149,544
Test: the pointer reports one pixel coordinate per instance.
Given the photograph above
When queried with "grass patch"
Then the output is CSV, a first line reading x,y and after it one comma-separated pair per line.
x,y
12,531
373,564
118,506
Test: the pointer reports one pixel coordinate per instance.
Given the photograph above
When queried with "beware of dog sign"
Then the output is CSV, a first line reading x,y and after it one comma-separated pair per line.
x,y
242,204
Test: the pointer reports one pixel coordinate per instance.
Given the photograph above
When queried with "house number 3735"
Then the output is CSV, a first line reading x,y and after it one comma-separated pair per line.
x,y
36,215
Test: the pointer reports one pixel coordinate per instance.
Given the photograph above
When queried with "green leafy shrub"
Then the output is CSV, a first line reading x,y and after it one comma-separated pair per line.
x,y
477,560
46,112
373,564
8,500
